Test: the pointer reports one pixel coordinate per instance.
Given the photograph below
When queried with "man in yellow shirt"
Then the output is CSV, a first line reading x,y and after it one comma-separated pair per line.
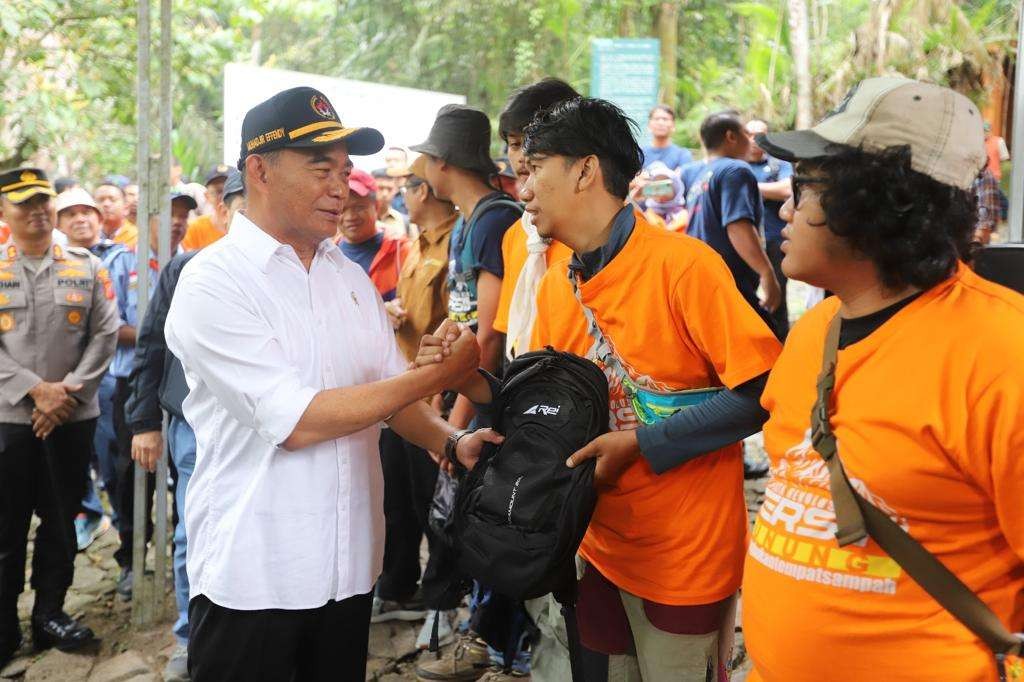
x,y
206,229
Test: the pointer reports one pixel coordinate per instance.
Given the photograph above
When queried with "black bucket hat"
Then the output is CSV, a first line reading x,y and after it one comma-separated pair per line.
x,y
461,136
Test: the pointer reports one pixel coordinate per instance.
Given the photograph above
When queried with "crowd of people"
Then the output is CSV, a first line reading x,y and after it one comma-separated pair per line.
x,y
315,350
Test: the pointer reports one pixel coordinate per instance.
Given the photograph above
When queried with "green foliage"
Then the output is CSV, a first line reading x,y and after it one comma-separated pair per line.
x,y
67,67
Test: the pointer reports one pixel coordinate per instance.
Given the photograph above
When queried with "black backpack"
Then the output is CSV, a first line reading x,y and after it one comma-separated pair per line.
x,y
521,513
515,522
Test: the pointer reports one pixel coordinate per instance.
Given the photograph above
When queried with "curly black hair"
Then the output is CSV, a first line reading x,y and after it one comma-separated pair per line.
x,y
913,228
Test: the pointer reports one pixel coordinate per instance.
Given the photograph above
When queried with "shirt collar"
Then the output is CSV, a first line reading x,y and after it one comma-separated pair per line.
x,y
259,247
592,262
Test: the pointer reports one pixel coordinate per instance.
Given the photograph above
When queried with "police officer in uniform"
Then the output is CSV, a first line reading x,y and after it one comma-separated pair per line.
x,y
58,329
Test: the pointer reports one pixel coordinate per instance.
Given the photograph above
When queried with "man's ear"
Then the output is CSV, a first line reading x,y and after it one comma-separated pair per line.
x,y
256,169
589,170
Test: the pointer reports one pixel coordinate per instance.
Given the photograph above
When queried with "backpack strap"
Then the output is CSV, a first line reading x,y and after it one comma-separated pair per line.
x,y
857,518
478,211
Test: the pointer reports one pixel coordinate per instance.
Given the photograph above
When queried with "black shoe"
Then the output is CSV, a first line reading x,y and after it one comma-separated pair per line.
x,y
60,631
125,584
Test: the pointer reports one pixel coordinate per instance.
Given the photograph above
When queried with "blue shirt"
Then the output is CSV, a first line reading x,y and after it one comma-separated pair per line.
x,y
363,253
726,191
478,250
689,174
106,250
771,169
124,274
673,156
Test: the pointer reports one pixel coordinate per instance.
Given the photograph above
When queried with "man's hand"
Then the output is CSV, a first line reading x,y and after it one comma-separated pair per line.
x,y
434,348
43,425
614,452
771,292
396,314
451,353
53,398
472,444
147,448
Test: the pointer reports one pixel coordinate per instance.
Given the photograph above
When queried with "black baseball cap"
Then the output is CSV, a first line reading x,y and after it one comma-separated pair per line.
x,y
301,117
460,136
18,185
233,185
505,167
218,172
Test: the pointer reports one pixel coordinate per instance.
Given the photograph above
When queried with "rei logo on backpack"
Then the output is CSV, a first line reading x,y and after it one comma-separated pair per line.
x,y
521,513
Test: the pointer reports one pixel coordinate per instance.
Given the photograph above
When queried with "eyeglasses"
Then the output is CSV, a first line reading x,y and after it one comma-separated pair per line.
x,y
410,186
799,181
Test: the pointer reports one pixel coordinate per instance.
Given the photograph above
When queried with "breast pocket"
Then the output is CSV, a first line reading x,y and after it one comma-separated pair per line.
x,y
13,310
73,306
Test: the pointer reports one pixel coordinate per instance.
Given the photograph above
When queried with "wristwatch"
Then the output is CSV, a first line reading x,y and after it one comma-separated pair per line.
x,y
452,442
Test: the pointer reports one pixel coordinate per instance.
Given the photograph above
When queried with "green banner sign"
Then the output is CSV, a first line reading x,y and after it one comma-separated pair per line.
x,y
626,71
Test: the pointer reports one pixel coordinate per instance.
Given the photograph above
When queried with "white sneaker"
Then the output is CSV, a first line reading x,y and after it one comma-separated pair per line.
x,y
445,629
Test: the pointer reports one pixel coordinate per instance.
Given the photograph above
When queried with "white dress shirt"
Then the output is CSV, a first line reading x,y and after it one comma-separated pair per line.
x,y
258,337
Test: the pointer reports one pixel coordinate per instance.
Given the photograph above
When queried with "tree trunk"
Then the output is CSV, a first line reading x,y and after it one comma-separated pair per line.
x,y
667,29
800,48
627,23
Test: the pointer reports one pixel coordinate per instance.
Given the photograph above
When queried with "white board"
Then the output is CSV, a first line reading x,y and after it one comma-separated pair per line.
x,y
403,115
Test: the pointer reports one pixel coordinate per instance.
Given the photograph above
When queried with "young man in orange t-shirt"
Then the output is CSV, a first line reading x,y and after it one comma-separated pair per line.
x,y
522,246
207,229
927,407
665,546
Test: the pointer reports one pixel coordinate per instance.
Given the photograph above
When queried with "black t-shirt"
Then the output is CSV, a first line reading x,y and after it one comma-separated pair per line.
x,y
859,328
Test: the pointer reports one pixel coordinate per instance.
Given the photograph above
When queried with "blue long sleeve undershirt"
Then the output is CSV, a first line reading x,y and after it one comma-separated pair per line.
x,y
728,417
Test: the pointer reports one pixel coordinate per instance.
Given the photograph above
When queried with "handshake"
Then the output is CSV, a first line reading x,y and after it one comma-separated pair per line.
x,y
451,354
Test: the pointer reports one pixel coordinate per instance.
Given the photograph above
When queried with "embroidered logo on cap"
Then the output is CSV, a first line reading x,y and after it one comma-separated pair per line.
x,y
28,176
321,106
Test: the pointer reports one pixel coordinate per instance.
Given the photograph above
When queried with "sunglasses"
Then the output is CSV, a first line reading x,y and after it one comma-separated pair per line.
x,y
799,181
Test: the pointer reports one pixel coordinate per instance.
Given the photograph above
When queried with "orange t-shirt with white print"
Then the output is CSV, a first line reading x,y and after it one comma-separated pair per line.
x,y
671,308
929,421
514,254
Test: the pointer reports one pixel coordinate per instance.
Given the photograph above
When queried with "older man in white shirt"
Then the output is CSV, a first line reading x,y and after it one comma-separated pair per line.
x,y
292,367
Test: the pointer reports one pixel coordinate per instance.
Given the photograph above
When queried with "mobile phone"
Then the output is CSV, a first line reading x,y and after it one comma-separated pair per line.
x,y
658,188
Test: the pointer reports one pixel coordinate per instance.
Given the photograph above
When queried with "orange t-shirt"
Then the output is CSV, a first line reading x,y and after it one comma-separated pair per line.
x,y
929,418
127,234
670,306
201,232
513,254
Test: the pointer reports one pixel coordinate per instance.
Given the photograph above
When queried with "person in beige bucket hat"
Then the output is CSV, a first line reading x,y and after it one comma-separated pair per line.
x,y
908,381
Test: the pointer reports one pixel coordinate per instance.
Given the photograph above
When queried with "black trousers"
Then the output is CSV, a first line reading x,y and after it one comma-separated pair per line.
x,y
409,479
47,478
328,643
781,315
124,468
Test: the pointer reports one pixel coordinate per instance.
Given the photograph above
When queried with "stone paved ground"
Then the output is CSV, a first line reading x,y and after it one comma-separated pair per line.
x,y
127,654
